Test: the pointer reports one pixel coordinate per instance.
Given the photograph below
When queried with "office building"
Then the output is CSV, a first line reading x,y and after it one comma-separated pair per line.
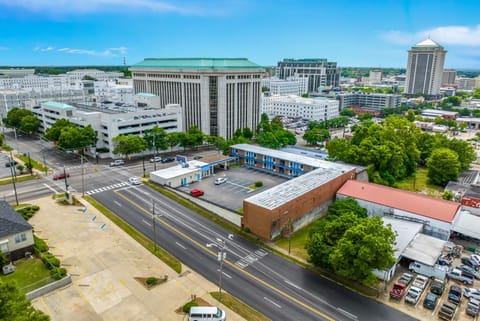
x,y
449,77
16,72
319,72
318,109
465,83
375,77
371,101
218,95
290,86
425,69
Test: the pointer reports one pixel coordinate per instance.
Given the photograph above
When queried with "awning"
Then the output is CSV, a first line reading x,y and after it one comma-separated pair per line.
x,y
424,249
468,225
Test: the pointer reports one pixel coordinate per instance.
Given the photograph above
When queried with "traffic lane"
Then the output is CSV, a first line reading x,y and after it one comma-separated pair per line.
x,y
204,262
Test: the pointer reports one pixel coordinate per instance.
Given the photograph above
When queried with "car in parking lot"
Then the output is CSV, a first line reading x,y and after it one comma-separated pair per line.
x,y
220,180
155,159
117,162
134,181
11,162
196,192
476,258
413,294
430,301
471,263
61,175
471,293
168,159
470,271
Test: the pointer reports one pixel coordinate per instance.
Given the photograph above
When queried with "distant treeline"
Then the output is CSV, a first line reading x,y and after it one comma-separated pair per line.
x,y
56,70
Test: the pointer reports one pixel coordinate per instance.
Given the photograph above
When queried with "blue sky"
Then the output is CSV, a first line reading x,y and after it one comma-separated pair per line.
x,y
352,33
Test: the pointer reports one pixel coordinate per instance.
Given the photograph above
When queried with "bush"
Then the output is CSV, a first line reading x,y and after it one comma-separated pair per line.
x,y
188,305
28,211
58,273
258,184
152,280
3,259
40,245
50,261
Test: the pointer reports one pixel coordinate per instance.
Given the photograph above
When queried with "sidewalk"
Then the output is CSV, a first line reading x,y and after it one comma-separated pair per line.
x,y
103,262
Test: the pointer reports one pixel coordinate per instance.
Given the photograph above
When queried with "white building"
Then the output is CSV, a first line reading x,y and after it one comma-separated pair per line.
x,y
372,101
182,174
425,68
110,121
16,72
109,90
318,109
290,86
375,77
466,83
79,74
218,95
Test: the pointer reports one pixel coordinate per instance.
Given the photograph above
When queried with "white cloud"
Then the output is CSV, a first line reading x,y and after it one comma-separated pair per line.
x,y
87,6
444,35
49,48
109,52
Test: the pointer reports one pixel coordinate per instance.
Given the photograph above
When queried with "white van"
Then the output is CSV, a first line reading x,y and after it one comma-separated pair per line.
x,y
206,314
436,271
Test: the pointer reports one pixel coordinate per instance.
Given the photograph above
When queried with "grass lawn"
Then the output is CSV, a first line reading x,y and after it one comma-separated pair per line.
x,y
421,184
297,243
29,274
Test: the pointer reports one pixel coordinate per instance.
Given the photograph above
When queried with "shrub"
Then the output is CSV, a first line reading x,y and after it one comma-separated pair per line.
x,y
58,273
40,245
258,184
3,259
188,305
50,261
152,280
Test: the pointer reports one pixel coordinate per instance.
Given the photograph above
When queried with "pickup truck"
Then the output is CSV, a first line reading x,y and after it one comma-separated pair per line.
x,y
420,282
413,294
447,311
397,291
459,276
455,294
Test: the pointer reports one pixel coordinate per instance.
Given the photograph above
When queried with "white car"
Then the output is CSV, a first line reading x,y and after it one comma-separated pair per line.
x,y
117,162
155,159
471,293
413,295
476,258
134,181
220,180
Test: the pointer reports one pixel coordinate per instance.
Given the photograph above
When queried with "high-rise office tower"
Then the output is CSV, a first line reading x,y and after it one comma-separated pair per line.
x,y
218,95
320,72
425,68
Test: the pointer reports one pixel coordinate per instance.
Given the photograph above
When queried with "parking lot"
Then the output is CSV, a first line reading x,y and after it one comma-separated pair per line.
x,y
418,310
231,194
4,170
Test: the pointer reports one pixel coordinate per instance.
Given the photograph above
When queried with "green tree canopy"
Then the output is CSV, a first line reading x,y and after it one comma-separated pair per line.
x,y
29,124
348,112
443,166
316,135
127,145
14,306
173,140
15,116
76,138
53,133
156,139
342,206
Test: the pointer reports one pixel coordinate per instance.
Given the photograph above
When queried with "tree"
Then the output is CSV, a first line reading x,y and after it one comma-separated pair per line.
x,y
195,136
173,140
365,116
365,246
53,133
126,145
247,133
448,195
3,259
316,135
342,206
15,116
305,95
14,306
156,139
76,138
410,115
29,124
443,166
348,112
268,139
265,89
465,152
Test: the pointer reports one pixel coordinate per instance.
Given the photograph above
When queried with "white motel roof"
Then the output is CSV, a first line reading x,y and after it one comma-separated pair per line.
x,y
290,190
178,170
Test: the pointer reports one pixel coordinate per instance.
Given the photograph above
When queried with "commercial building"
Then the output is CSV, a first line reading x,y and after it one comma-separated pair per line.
x,y
287,207
218,95
449,77
318,109
319,72
425,69
375,77
434,113
371,101
16,72
465,83
437,216
290,86
109,120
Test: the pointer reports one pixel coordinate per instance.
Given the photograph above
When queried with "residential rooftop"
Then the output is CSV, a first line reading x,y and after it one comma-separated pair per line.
x,y
435,208
11,222
197,63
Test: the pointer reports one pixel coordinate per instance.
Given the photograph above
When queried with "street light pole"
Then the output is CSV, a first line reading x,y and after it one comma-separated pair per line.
x,y
83,182
14,176
221,256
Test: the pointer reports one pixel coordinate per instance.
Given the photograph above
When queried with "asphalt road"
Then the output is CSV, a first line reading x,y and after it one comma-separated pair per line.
x,y
278,288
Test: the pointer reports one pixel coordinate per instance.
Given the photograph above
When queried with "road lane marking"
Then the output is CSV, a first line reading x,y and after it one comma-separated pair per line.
x,y
50,188
347,314
118,204
292,284
146,223
272,302
233,265
227,275
183,247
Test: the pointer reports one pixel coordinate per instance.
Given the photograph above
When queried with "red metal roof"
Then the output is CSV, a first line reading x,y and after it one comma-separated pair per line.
x,y
435,208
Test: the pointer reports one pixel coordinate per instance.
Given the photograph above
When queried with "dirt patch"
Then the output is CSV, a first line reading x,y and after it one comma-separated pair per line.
x,y
199,301
151,284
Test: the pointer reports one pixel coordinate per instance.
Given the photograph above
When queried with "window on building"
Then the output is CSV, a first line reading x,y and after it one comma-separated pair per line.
x,y
22,237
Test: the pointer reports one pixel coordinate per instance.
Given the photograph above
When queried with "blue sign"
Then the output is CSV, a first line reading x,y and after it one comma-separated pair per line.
x,y
180,158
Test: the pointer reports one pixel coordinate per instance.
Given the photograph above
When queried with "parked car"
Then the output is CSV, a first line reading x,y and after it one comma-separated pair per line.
x,y
61,175
196,192
430,301
455,294
220,180
420,282
11,162
413,294
471,263
437,287
397,291
447,311
168,160
476,258
473,306
405,278
155,159
460,276
134,181
471,293
469,270
117,162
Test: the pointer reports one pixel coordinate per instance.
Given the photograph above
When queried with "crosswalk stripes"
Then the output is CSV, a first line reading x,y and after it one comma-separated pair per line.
x,y
250,259
106,188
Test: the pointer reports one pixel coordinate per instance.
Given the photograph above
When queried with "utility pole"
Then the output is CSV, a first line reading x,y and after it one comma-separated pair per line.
x,y
83,182
14,176
154,231
29,163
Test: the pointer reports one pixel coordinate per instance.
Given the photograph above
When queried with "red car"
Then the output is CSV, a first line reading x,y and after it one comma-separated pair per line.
x,y
196,192
60,176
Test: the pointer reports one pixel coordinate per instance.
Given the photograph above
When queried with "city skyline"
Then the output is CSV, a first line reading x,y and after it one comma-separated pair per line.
x,y
365,34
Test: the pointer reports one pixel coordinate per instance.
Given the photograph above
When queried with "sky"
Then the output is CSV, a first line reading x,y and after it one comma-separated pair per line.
x,y
352,33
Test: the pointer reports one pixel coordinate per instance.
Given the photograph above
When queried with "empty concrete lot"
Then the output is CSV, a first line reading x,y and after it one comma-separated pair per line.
x,y
231,194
